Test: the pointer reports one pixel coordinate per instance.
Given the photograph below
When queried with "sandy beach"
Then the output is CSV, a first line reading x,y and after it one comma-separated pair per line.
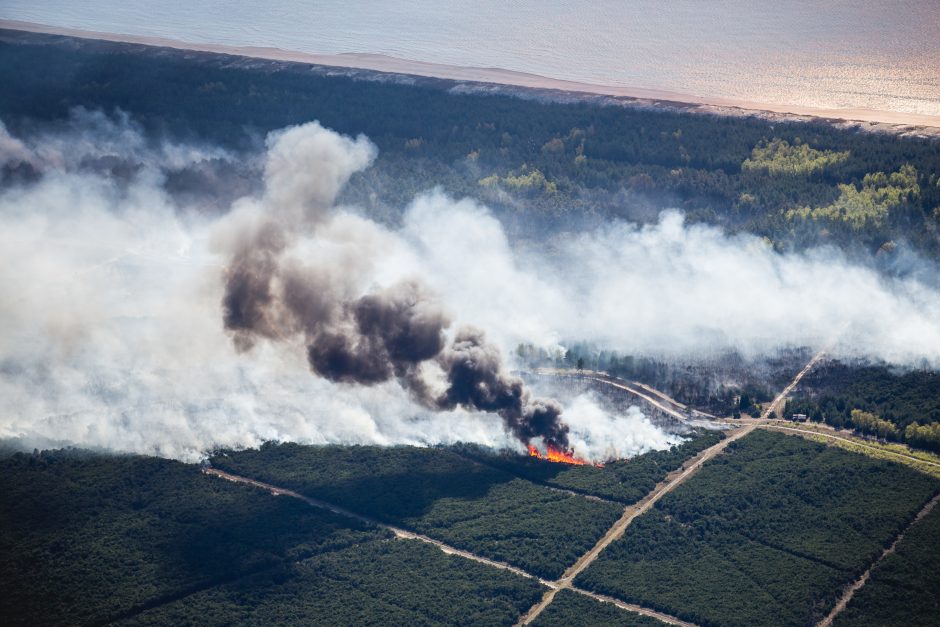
x,y
907,123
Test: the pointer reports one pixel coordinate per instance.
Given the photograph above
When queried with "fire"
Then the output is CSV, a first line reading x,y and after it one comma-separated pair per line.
x,y
555,455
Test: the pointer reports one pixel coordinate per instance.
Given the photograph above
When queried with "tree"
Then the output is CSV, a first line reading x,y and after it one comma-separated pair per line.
x,y
580,363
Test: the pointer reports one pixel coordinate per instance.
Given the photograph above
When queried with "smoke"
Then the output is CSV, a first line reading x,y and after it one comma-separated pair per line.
x,y
673,290
354,332
134,320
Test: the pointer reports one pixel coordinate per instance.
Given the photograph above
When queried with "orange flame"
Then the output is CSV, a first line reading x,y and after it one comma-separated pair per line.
x,y
555,455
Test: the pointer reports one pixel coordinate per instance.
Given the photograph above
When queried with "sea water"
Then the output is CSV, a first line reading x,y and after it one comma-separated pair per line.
x,y
835,54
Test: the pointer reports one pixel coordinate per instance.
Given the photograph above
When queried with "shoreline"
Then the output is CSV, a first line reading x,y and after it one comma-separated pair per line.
x,y
875,120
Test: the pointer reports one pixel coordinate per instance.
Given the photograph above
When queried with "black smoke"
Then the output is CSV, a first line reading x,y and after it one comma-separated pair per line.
x,y
352,335
477,378
385,335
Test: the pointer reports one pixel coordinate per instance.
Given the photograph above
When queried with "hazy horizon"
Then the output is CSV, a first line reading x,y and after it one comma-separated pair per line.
x,y
855,54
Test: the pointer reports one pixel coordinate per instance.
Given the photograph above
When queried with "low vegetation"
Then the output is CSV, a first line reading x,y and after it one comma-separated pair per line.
x,y
626,481
767,533
441,494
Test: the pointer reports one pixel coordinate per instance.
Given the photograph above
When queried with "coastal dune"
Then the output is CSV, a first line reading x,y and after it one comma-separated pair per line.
x,y
889,121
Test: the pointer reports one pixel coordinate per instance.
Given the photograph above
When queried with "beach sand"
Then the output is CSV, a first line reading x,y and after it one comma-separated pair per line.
x,y
888,121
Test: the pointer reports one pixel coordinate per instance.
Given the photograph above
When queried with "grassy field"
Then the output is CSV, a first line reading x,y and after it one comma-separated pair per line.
x,y
626,481
767,533
441,494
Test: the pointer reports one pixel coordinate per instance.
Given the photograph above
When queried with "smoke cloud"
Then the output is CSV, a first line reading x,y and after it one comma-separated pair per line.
x,y
353,332
133,319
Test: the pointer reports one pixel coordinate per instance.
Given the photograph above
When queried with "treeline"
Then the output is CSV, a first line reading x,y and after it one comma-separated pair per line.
x,y
875,400
536,163
626,480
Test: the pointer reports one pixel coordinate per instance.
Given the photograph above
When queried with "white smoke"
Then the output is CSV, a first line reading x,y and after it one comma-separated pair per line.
x,y
671,289
111,316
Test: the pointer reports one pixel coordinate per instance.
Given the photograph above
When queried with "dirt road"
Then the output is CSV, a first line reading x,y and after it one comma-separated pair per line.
x,y
782,397
400,533
663,403
670,483
856,585
446,548
833,436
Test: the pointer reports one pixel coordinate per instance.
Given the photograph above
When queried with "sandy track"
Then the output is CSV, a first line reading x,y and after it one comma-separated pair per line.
x,y
670,483
399,532
637,609
833,436
856,585
446,548
781,398
648,394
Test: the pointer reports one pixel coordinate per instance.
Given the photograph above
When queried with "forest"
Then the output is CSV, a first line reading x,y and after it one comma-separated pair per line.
x,y
875,400
570,608
403,582
436,492
91,538
536,162
767,533
904,589
626,480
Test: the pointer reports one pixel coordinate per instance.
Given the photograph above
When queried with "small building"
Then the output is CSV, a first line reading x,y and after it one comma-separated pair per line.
x,y
799,418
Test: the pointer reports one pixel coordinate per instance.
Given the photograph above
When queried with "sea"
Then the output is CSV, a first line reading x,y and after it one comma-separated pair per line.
x,y
881,55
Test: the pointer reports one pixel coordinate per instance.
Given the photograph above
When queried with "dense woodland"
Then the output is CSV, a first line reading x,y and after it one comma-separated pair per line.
x,y
536,162
441,494
402,582
874,400
767,533
905,588
626,480
570,608
88,538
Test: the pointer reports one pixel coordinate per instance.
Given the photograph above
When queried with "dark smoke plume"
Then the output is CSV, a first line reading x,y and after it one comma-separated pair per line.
x,y
477,379
399,332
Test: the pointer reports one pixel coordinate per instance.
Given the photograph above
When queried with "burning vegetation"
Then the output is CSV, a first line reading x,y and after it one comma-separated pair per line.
x,y
557,455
